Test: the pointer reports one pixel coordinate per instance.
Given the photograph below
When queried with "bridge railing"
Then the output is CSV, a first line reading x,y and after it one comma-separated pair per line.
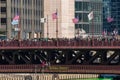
x,y
60,42
61,68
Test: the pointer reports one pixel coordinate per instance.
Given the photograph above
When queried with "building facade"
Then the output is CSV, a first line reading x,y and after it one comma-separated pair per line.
x,y
111,8
63,27
30,12
3,18
69,9
82,9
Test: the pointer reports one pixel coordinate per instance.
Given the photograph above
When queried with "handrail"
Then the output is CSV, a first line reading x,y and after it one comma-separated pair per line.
x,y
60,42
62,68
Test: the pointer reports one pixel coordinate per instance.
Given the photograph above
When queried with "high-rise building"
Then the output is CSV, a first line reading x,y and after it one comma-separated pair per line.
x,y
111,10
30,12
62,27
69,9
36,17
82,9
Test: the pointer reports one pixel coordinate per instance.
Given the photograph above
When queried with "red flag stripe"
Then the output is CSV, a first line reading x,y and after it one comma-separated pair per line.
x,y
75,20
54,15
109,19
16,18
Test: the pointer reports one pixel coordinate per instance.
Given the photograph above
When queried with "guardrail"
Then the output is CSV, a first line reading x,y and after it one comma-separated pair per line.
x,y
60,42
61,69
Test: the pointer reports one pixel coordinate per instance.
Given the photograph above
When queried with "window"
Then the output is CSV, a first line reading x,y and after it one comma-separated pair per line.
x,y
85,17
86,6
3,20
78,6
3,9
2,0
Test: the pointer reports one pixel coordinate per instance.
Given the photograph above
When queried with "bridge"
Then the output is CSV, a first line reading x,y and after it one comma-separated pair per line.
x,y
61,55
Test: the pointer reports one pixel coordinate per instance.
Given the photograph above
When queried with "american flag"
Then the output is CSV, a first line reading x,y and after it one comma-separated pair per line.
x,y
115,32
54,15
16,17
90,15
15,20
104,33
75,20
109,19
43,64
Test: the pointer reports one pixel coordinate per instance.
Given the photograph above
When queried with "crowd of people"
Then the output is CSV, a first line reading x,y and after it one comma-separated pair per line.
x,y
89,41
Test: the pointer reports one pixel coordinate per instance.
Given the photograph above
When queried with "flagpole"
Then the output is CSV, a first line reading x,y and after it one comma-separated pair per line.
x,y
91,17
92,32
14,31
19,26
47,28
19,30
57,24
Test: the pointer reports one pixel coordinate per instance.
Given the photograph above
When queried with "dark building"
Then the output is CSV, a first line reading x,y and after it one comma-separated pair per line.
x,y
82,9
111,8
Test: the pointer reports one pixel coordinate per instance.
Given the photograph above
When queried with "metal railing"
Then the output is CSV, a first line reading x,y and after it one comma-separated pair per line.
x,y
60,69
61,42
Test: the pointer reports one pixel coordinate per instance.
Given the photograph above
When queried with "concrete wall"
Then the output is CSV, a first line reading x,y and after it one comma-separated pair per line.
x,y
65,12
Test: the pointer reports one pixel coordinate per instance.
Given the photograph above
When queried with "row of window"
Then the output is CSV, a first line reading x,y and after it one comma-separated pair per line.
x,y
27,3
80,6
83,17
3,9
3,0
3,20
87,6
88,28
112,9
26,11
